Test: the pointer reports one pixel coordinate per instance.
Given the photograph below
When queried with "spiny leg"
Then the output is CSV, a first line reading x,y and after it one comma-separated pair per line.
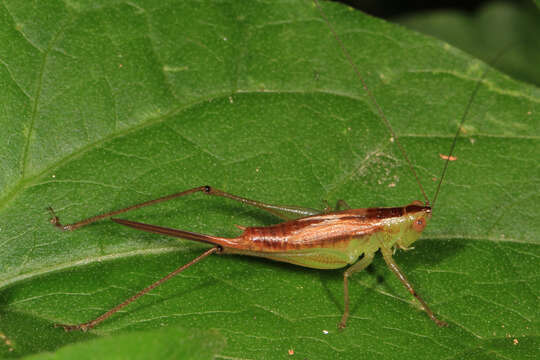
x,y
387,255
89,325
283,212
359,266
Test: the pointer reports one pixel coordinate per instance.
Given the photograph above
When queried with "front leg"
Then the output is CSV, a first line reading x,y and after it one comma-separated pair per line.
x,y
387,255
357,267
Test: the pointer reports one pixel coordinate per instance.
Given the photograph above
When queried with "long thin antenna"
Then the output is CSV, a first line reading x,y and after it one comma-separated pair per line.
x,y
452,147
372,98
464,116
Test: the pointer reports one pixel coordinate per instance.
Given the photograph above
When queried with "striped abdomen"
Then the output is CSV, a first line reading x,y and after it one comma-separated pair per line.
x,y
323,241
333,230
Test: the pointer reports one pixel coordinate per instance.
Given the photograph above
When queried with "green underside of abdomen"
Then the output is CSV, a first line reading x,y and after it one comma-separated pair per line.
x,y
311,258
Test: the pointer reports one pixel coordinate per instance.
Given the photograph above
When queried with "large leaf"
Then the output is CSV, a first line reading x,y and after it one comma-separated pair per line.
x,y
105,104
496,26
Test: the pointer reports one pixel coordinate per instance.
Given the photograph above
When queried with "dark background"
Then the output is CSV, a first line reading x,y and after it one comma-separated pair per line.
x,y
390,8
482,28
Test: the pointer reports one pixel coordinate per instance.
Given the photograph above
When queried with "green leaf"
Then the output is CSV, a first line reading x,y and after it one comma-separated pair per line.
x,y
106,104
167,343
497,27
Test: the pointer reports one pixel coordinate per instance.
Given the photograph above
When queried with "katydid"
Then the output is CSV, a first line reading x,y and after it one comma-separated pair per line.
x,y
330,239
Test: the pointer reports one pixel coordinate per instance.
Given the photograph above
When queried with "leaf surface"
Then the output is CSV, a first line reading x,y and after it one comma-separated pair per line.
x,y
495,27
106,104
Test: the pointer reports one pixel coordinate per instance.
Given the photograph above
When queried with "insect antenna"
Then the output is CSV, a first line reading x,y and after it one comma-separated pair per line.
x,y
452,147
372,98
464,117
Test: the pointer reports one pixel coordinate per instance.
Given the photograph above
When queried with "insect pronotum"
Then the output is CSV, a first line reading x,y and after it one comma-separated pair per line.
x,y
330,239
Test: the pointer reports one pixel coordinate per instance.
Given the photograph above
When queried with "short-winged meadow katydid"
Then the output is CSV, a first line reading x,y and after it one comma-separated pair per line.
x,y
328,239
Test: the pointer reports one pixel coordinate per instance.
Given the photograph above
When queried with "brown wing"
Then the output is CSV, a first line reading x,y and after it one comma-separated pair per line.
x,y
324,230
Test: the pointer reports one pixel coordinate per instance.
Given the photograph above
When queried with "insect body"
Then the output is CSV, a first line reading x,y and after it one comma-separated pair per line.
x,y
328,240
323,241
307,237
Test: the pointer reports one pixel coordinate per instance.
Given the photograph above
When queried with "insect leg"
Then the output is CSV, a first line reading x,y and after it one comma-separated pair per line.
x,y
56,222
88,325
359,266
342,205
283,212
208,239
387,255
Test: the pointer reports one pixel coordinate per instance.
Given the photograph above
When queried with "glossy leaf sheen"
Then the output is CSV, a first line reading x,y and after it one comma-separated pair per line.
x,y
105,104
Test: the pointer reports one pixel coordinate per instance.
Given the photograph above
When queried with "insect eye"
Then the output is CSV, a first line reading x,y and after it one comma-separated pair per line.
x,y
419,224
